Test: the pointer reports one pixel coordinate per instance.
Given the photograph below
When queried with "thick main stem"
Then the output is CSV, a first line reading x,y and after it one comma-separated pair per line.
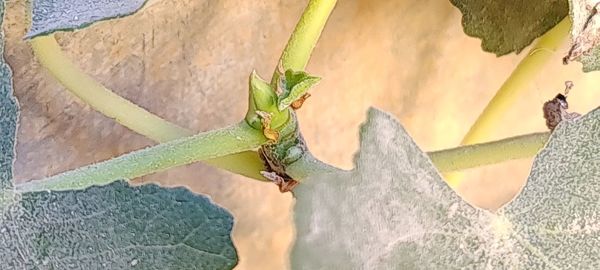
x,y
153,159
308,165
127,113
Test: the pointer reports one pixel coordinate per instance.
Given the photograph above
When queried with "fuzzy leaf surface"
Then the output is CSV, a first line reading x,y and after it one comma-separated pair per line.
x,y
49,16
9,115
116,227
506,26
394,211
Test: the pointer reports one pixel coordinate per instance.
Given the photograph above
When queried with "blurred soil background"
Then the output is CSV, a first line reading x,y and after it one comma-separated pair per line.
x,y
188,61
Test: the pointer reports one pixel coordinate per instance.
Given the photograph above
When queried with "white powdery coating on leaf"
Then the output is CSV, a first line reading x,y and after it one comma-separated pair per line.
x,y
557,211
392,212
395,212
51,16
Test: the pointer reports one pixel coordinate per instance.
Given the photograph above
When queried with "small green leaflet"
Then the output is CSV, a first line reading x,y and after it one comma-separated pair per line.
x,y
116,226
49,16
506,26
393,211
294,85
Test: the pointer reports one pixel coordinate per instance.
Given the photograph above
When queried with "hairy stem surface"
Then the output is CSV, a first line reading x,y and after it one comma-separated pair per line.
x,y
453,159
297,52
476,155
308,165
154,159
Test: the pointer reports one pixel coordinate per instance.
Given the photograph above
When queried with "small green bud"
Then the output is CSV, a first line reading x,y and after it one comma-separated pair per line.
x,y
263,98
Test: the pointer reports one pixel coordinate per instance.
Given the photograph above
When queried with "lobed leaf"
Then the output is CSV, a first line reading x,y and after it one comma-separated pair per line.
x,y
49,16
110,227
557,210
506,26
116,227
393,211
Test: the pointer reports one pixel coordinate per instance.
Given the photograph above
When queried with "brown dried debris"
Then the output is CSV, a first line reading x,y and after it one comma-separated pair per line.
x,y
588,38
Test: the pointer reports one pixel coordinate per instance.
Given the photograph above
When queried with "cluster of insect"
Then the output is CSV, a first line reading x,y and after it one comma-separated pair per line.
x,y
555,110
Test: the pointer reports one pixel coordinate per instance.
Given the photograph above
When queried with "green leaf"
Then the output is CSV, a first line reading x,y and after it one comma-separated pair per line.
x,y
558,208
506,26
49,16
393,211
585,34
116,227
110,227
8,116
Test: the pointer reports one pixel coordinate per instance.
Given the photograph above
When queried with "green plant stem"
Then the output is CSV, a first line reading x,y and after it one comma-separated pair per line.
x,y
297,52
481,154
218,142
246,163
449,160
295,56
215,143
513,88
103,100
517,83
308,165
126,113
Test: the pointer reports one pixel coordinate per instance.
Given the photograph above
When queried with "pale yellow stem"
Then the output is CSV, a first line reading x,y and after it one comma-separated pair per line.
x,y
297,52
125,112
99,97
476,155
513,88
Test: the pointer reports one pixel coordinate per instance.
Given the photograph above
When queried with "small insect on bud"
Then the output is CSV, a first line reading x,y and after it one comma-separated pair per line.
x,y
555,110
